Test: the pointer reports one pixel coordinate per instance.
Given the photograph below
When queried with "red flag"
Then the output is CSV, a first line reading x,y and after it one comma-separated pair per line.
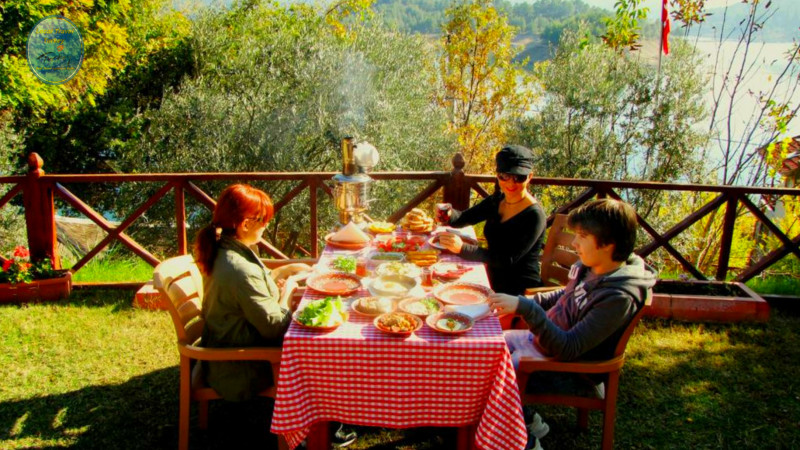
x,y
665,28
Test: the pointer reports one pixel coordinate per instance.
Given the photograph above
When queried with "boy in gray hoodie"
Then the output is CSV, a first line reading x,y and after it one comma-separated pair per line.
x,y
587,317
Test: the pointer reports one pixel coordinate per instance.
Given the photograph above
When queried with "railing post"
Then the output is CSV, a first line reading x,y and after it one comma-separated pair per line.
x,y
180,217
727,237
40,214
313,184
456,188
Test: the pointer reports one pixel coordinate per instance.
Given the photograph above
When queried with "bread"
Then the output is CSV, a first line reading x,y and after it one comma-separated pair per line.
x,y
416,220
350,233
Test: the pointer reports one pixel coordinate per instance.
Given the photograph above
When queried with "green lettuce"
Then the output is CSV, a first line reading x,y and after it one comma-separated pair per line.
x,y
322,313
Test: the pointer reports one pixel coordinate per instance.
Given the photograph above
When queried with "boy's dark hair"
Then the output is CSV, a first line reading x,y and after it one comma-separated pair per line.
x,y
610,222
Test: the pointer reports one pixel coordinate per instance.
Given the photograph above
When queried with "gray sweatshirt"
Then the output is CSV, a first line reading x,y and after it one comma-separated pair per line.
x,y
586,319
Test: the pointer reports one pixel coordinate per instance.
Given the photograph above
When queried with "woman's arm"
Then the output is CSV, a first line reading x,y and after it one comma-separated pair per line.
x,y
475,214
259,299
517,242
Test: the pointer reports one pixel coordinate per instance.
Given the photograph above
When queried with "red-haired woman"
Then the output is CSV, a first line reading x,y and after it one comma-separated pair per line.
x,y
242,305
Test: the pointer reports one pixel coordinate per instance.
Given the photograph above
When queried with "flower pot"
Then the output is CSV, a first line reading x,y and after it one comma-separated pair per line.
x,y
38,290
700,301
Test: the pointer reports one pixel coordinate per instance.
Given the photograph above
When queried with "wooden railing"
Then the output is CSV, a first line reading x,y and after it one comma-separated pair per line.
x,y
39,190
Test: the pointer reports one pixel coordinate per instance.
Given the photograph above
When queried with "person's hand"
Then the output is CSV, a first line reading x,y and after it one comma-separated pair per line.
x,y
284,272
503,303
288,287
451,242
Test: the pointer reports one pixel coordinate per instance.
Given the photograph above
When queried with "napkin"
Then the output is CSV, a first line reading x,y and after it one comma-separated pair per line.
x,y
476,312
350,233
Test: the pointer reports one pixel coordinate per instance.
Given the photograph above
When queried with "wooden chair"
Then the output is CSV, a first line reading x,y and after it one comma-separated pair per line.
x,y
180,284
557,256
607,404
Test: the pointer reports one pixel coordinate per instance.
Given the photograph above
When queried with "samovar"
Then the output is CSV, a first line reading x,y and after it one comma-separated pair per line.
x,y
351,188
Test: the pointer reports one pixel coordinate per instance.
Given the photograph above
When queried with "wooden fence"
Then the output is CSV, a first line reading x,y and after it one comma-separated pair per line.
x,y
39,190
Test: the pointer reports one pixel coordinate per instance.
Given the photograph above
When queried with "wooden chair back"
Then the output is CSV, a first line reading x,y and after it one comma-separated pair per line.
x,y
610,368
181,284
557,255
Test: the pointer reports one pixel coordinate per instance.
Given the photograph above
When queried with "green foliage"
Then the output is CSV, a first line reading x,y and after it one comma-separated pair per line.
x,y
623,29
106,43
603,118
483,86
275,89
88,135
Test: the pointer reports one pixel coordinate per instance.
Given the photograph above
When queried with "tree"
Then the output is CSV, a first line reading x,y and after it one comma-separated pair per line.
x,y
133,50
600,117
483,86
275,89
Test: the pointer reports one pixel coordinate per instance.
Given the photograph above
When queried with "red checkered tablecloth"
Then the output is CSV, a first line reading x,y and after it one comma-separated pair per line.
x,y
359,375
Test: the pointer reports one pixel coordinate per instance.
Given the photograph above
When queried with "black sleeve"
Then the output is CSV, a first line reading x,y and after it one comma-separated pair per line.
x,y
476,214
508,249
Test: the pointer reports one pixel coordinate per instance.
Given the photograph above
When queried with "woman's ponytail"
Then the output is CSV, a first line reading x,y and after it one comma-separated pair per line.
x,y
205,248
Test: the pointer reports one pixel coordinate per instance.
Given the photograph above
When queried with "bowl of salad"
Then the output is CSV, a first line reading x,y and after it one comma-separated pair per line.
x,y
321,315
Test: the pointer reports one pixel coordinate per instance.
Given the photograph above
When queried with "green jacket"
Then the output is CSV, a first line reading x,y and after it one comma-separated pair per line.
x,y
240,307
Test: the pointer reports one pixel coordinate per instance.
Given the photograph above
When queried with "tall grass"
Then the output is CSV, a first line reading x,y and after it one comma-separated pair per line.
x,y
94,373
776,284
112,267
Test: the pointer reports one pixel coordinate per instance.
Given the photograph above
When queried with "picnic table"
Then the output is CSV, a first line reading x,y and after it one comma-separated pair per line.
x,y
359,375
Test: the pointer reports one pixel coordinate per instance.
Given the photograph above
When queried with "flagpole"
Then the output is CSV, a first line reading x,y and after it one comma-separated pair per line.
x,y
660,53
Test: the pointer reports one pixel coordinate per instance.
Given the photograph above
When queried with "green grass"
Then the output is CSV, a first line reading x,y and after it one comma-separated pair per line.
x,y
112,269
779,285
95,373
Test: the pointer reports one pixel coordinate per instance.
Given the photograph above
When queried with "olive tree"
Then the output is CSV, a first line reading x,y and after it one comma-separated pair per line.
x,y
276,88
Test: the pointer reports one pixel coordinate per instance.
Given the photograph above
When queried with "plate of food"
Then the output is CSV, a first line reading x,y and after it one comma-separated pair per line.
x,y
405,243
449,271
421,306
398,268
334,283
343,264
382,257
392,285
417,221
381,227
450,322
423,258
373,306
398,323
460,293
434,240
348,237
322,315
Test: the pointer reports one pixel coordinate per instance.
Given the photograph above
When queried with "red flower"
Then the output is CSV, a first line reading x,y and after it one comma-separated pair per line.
x,y
7,264
21,252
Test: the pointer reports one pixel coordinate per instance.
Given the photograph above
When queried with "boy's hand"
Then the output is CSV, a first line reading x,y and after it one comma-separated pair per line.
x,y
503,303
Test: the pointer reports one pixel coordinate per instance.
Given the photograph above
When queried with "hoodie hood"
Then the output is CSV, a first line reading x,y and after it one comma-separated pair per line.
x,y
634,277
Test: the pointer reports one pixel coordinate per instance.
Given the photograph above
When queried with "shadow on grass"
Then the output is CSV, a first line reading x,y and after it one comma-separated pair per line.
x,y
729,386
139,414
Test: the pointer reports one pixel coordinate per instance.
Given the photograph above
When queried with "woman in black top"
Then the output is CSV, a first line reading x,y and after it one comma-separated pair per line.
x,y
514,230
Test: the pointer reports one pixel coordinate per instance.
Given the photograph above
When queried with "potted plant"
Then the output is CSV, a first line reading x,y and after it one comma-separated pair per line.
x,y
718,301
23,281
